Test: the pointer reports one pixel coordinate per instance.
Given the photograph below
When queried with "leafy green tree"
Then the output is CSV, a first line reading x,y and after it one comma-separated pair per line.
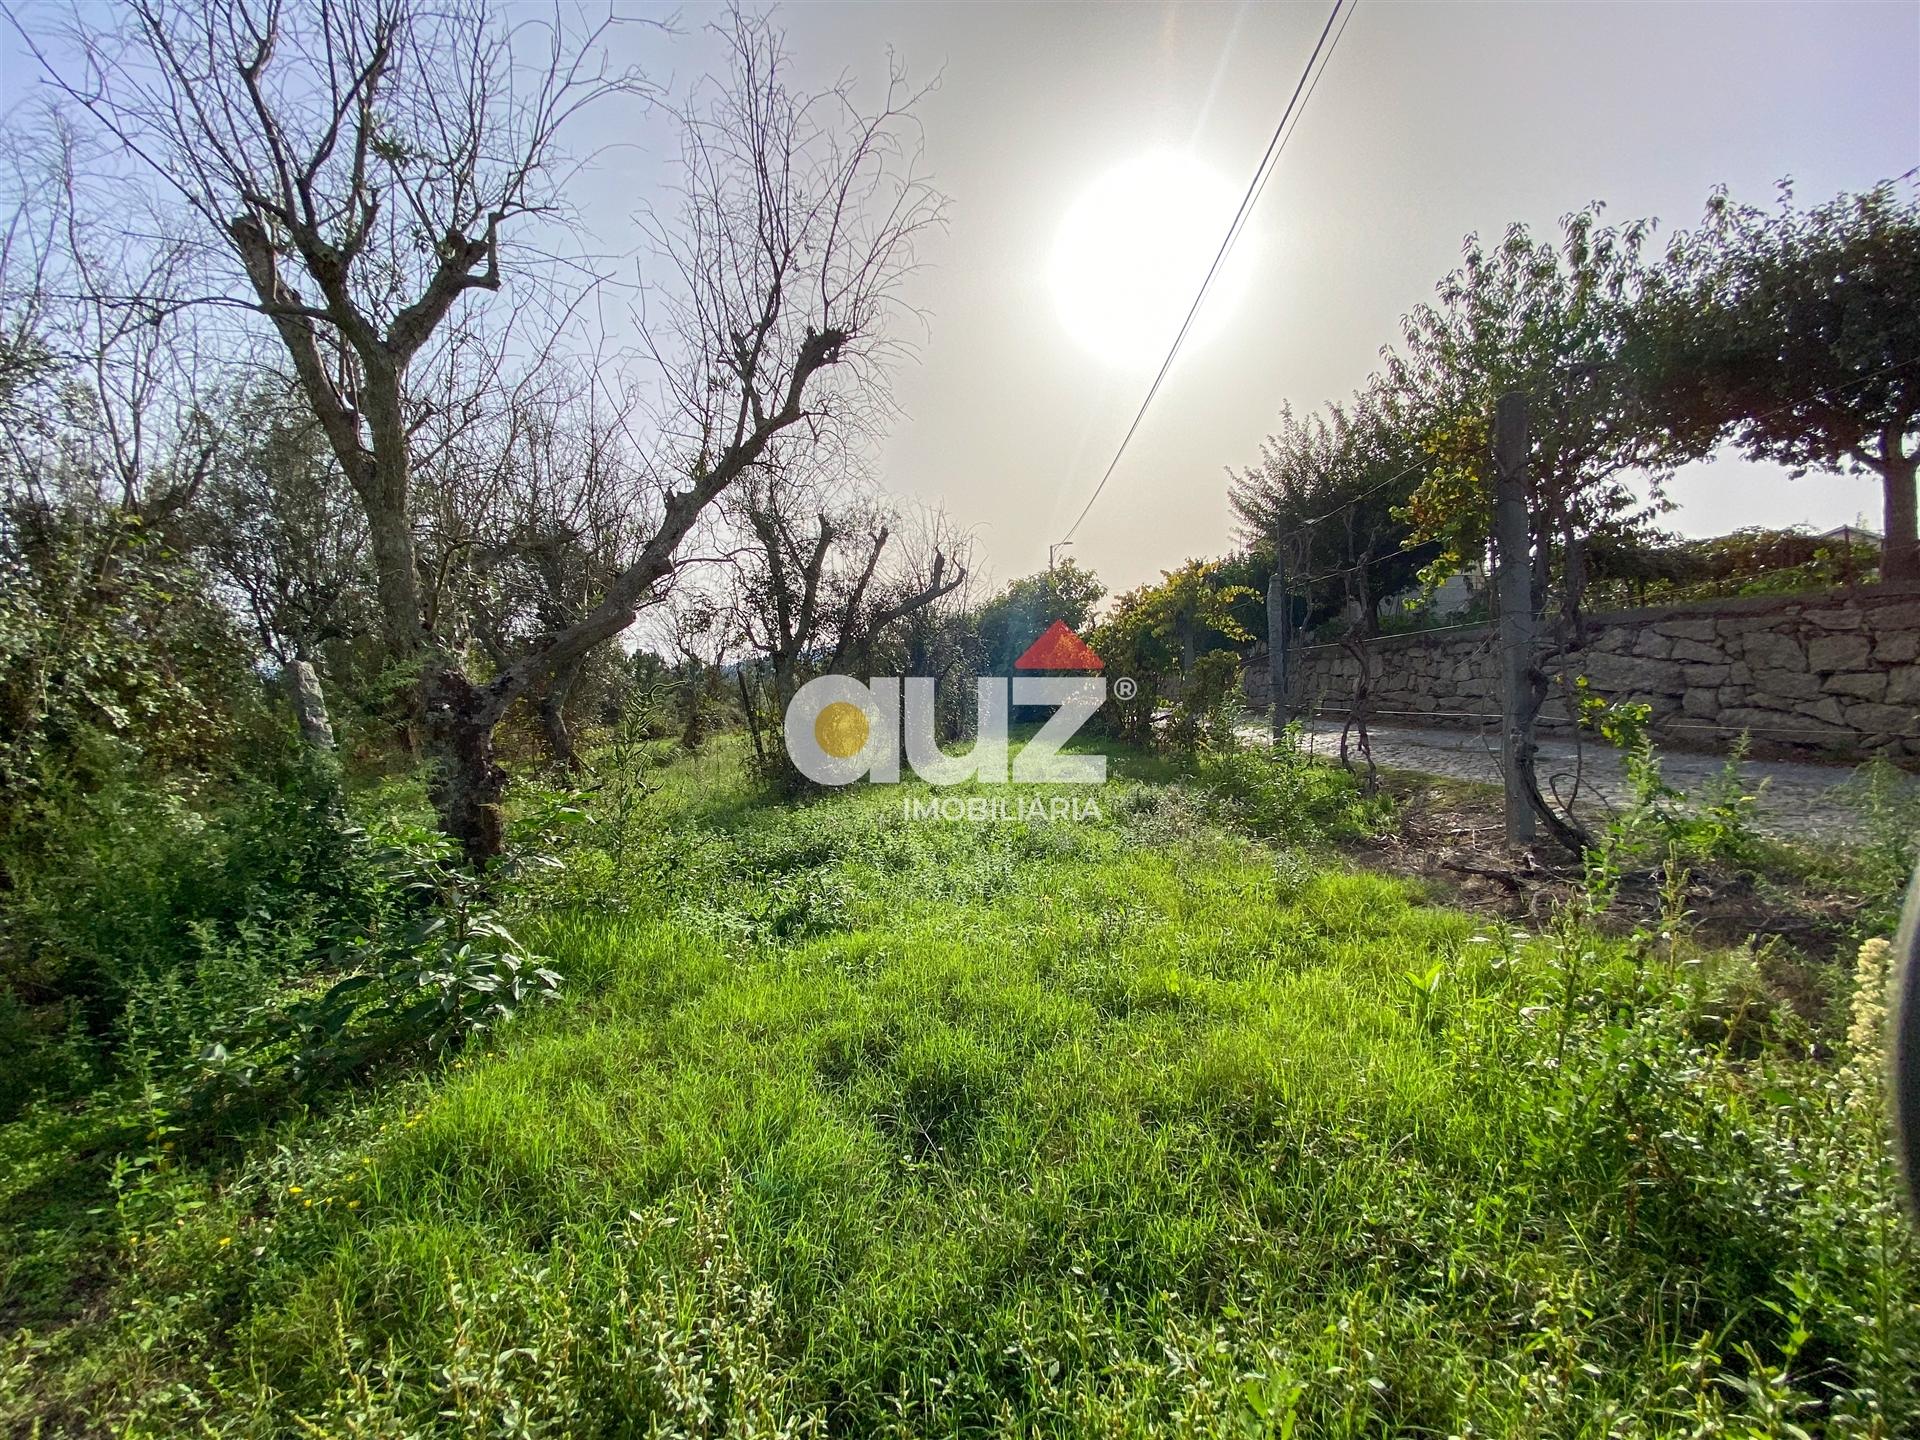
x,y
1546,318
1327,497
1798,333
1153,636
1013,619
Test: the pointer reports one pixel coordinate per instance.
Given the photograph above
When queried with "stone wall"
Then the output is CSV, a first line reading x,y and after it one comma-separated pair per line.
x,y
1829,674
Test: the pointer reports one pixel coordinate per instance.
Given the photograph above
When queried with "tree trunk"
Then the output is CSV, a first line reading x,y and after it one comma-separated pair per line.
x,y
309,704
753,716
553,717
694,730
1573,599
383,487
397,586
1900,551
785,684
466,782
1354,729
1277,618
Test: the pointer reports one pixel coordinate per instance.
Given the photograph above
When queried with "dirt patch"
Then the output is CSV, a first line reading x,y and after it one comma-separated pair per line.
x,y
1450,836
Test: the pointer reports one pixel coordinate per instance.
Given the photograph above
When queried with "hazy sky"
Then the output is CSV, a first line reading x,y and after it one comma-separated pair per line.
x,y
1433,120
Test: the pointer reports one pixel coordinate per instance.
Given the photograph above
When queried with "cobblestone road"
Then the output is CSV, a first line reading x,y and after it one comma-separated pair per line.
x,y
1799,801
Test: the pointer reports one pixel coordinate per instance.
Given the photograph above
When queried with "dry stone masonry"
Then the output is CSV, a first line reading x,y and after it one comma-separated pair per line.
x,y
1829,674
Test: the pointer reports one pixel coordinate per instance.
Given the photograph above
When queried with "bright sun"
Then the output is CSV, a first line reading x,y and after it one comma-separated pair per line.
x,y
1131,254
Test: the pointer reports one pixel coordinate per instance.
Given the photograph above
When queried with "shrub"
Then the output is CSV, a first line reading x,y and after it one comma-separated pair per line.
x,y
1887,801
1279,793
1206,704
1149,635
1658,819
161,836
132,913
256,942
432,966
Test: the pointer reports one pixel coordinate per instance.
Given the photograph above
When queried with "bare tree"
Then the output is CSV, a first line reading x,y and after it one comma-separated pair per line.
x,y
815,587
800,221
359,162
533,520
103,381
362,163
923,587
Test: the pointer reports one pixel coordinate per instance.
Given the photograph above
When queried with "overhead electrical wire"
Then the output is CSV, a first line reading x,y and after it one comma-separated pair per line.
x,y
1303,91
1281,134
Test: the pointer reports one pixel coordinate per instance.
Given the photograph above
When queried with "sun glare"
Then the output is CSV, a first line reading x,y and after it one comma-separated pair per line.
x,y
1131,254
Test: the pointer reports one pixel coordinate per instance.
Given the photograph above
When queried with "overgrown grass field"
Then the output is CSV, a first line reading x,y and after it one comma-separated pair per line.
x,y
1165,1123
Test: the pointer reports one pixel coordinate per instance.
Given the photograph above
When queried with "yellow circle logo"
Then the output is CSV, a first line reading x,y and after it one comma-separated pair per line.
x,y
840,729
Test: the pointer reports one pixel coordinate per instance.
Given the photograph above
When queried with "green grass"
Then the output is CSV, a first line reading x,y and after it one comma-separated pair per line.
x,y
1163,1124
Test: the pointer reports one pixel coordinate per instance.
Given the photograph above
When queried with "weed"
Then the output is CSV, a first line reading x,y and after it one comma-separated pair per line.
x,y
1019,1128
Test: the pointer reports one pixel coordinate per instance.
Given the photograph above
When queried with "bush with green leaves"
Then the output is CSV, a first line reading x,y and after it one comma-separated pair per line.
x,y
1153,637
258,946
432,967
1281,793
114,659
142,913
1887,800
1206,704
1657,819
163,841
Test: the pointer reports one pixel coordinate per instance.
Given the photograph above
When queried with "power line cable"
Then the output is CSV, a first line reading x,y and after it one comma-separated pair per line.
x,y
1305,101
1281,134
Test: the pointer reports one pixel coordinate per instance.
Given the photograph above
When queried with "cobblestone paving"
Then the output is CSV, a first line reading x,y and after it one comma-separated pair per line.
x,y
1799,801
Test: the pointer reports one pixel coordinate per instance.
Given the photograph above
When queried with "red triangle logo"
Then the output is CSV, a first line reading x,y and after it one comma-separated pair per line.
x,y
1058,648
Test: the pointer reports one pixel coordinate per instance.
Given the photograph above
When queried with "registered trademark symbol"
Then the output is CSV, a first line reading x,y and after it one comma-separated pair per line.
x,y
1124,688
